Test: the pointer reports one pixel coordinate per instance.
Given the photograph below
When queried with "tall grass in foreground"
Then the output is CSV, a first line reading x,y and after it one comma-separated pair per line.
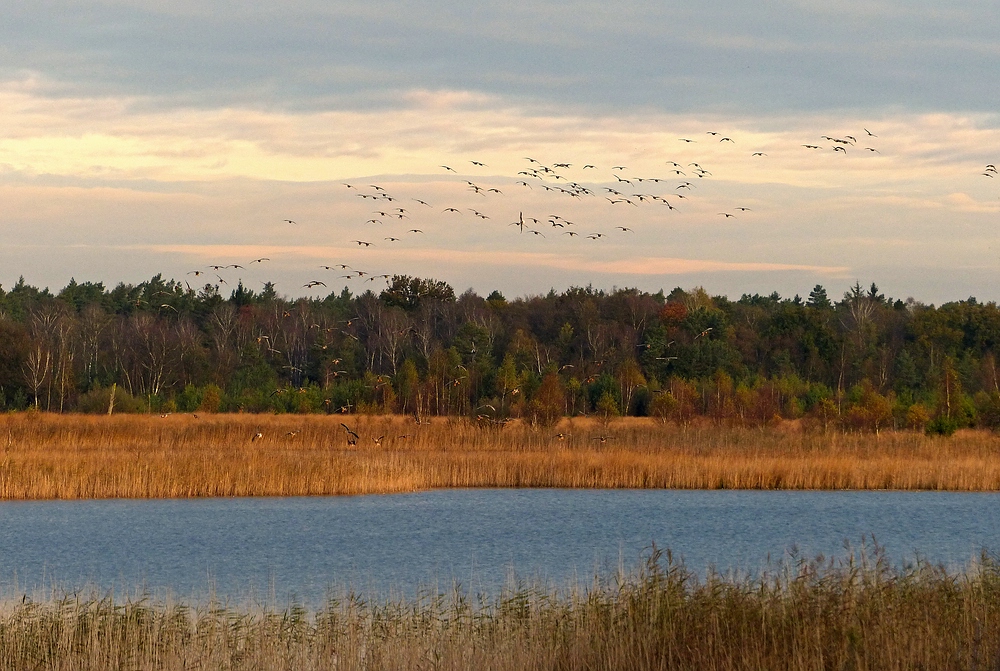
x,y
813,616
44,456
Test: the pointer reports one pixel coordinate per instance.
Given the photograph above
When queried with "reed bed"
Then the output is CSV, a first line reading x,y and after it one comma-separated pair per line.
x,y
814,615
50,456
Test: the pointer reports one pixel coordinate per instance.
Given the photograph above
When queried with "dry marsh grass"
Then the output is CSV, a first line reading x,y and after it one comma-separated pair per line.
x,y
48,456
810,616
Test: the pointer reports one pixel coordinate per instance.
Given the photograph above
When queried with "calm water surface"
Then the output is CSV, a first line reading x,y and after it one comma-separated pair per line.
x,y
300,548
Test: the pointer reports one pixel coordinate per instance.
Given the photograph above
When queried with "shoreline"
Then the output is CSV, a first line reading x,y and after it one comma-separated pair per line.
x,y
50,456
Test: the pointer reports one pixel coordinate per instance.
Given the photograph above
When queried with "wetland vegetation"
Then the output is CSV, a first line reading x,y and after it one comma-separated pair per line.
x,y
858,614
53,456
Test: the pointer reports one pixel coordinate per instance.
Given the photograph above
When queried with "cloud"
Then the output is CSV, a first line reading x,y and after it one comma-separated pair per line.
x,y
128,136
635,266
963,202
724,56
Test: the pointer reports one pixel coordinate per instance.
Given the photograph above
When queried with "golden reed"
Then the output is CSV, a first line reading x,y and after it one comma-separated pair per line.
x,y
866,617
50,456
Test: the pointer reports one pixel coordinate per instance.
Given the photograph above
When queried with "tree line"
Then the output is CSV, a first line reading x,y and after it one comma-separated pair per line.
x,y
863,362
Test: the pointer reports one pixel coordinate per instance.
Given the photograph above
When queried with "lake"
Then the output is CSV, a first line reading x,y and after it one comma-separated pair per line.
x,y
302,548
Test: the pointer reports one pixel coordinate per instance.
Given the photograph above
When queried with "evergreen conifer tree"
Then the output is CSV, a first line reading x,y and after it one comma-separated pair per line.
x,y
818,298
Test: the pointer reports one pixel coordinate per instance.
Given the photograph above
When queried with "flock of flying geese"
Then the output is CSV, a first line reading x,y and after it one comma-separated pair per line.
x,y
395,218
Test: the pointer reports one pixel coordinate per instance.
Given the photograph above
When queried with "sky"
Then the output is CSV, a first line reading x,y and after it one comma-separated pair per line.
x,y
145,137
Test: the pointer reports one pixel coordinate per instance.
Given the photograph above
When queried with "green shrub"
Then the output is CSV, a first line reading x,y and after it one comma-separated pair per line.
x,y
942,426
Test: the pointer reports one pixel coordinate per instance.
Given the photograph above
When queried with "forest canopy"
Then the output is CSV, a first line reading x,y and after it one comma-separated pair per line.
x,y
862,361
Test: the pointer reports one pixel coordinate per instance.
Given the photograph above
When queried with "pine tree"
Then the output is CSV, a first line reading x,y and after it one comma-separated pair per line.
x,y
818,298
